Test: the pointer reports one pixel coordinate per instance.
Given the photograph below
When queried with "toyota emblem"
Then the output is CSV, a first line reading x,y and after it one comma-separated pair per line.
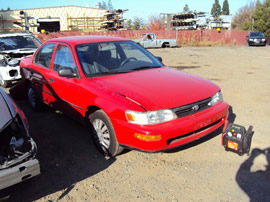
x,y
195,108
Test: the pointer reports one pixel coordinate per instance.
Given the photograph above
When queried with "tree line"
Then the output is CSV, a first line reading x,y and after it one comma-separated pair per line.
x,y
254,16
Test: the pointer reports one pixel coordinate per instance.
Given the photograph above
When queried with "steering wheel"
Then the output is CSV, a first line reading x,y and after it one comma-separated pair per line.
x,y
127,60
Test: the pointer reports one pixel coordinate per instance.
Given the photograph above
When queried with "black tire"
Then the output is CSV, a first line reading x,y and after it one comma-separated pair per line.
x,y
32,99
3,83
103,134
165,45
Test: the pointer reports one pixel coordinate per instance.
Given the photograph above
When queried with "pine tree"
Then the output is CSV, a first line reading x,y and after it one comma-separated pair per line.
x,y
262,17
103,5
225,8
216,9
109,5
186,8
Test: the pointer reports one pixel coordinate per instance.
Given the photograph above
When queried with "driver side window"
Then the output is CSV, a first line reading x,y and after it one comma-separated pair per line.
x,y
63,59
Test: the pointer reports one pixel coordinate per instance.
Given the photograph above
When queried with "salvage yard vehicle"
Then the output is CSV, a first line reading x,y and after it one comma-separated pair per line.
x,y
13,47
149,40
17,148
256,39
130,99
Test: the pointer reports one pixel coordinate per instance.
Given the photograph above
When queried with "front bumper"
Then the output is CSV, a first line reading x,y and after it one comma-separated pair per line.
x,y
173,133
19,173
10,73
257,43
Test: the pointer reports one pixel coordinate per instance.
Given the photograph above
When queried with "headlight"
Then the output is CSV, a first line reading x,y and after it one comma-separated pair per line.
x,y
3,61
263,39
251,39
151,117
216,99
14,63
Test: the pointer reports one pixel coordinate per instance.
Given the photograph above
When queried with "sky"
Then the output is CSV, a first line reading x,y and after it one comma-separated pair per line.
x,y
137,8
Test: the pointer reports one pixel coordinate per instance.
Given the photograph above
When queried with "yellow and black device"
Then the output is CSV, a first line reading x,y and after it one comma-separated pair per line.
x,y
237,139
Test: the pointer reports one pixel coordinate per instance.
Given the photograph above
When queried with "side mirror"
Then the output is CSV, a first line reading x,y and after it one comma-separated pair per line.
x,y
67,72
159,58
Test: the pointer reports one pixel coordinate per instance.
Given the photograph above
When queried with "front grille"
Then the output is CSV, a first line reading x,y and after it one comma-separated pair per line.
x,y
192,108
13,73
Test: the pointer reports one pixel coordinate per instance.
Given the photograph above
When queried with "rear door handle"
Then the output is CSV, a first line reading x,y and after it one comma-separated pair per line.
x,y
51,80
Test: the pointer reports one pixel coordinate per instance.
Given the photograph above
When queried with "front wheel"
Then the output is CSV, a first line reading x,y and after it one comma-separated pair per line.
x,y
104,135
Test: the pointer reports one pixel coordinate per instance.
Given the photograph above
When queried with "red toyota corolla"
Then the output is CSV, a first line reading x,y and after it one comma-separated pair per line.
x,y
130,98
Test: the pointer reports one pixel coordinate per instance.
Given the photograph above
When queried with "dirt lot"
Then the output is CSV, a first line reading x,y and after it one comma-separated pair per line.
x,y
73,170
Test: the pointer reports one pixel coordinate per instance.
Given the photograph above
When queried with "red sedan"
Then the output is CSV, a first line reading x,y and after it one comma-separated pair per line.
x,y
130,98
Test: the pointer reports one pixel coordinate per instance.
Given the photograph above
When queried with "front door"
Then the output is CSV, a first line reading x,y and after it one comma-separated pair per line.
x,y
66,90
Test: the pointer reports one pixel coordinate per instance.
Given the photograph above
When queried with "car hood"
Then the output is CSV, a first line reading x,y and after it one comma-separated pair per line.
x,y
159,88
5,113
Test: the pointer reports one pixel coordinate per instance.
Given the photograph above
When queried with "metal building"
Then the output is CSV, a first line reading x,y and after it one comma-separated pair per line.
x,y
53,19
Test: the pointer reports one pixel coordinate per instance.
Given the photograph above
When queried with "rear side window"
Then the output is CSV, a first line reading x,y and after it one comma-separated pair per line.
x,y
44,56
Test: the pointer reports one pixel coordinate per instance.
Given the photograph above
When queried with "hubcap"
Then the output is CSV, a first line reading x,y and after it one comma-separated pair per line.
x,y
102,133
32,97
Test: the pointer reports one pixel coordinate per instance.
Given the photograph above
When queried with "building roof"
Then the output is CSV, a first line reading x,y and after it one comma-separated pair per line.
x,y
59,7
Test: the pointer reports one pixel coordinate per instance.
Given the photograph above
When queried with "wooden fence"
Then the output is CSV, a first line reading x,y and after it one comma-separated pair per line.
x,y
185,37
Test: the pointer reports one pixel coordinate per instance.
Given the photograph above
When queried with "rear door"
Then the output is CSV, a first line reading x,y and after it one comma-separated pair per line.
x,y
39,72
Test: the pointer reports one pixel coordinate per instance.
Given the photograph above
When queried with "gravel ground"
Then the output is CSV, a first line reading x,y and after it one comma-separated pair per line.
x,y
73,170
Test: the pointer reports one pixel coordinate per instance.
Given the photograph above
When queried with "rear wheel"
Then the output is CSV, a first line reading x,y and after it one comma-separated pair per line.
x,y
3,83
103,134
165,45
32,98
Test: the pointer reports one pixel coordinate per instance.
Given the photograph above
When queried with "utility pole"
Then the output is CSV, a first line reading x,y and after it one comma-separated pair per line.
x,y
26,20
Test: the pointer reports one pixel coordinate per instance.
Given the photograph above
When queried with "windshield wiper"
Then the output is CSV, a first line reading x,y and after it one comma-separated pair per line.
x,y
123,71
145,67
109,73
26,49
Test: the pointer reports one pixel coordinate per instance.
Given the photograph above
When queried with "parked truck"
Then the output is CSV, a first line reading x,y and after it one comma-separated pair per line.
x,y
149,40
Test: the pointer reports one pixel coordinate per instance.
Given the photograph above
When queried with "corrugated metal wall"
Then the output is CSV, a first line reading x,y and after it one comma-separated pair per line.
x,y
62,12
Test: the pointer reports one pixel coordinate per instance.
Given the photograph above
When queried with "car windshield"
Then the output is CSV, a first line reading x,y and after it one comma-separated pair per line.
x,y
256,34
18,42
105,58
141,36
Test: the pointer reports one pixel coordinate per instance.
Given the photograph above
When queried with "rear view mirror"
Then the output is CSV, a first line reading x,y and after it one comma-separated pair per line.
x,y
67,72
159,58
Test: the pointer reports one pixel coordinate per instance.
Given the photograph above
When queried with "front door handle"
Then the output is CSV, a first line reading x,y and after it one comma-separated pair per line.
x,y
51,80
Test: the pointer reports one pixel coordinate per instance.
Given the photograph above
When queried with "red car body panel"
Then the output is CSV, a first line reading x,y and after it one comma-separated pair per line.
x,y
180,89
144,90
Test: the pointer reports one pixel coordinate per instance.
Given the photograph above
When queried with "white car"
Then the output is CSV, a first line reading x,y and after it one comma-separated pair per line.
x,y
14,47
149,40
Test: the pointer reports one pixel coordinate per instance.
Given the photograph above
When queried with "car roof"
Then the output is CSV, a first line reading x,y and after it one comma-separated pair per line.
x,y
75,40
15,34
